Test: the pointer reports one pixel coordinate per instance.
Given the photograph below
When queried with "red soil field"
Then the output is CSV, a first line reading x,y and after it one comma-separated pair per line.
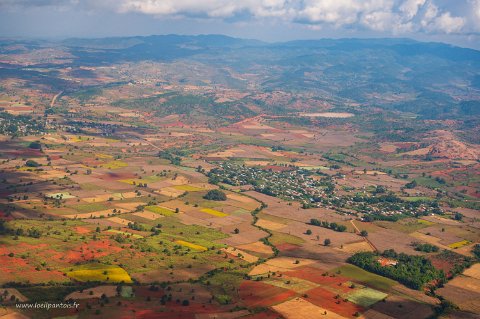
x,y
11,264
258,294
110,176
146,292
267,314
173,310
4,216
442,264
315,275
175,124
18,267
287,247
326,299
90,251
26,152
82,230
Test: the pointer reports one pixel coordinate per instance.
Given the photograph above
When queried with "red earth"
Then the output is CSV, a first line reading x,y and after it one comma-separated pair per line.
x,y
286,247
258,294
91,250
326,299
337,283
82,230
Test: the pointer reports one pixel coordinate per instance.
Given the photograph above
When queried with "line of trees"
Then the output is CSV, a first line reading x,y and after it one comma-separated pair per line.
x,y
333,226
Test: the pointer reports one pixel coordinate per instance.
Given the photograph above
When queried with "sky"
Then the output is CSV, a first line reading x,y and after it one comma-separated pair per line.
x,y
450,21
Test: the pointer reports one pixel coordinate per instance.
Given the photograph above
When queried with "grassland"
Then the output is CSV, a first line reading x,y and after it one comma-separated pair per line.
x,y
366,297
365,277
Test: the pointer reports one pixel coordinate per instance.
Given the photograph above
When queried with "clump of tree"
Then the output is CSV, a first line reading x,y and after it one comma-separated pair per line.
x,y
411,185
333,226
476,251
32,163
35,145
175,160
136,226
216,195
426,248
412,271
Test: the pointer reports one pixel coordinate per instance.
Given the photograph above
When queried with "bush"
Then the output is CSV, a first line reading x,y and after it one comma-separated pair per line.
x,y
215,194
31,163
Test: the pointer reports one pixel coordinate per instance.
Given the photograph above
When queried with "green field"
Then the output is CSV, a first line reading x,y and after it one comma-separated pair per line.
x,y
366,297
416,198
365,277
282,238
89,208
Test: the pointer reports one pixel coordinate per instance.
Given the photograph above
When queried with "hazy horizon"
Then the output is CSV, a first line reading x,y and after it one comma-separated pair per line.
x,y
271,21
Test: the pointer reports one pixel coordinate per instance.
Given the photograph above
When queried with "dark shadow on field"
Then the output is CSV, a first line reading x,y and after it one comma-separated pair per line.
x,y
400,308
328,257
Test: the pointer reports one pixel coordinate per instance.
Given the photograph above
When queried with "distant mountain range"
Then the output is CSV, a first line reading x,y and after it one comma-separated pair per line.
x,y
429,79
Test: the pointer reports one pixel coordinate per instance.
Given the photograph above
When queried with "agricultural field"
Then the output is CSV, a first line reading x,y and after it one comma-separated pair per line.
x,y
183,188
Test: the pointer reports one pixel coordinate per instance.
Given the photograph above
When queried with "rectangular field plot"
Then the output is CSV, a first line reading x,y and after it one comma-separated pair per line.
x,y
191,245
136,236
366,297
100,273
365,277
213,212
459,244
64,195
291,283
188,188
160,210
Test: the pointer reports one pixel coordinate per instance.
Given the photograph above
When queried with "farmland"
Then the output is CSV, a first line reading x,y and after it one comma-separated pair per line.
x,y
187,188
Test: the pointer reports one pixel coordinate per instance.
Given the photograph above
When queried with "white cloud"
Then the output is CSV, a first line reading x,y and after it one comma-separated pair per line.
x,y
387,16
410,8
448,24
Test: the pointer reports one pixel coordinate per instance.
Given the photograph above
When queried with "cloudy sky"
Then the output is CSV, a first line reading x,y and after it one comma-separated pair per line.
x,y
451,21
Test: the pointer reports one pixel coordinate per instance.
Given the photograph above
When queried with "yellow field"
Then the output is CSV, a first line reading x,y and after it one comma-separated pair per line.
x,y
425,222
103,156
191,245
160,210
114,165
213,212
299,308
459,244
107,274
188,188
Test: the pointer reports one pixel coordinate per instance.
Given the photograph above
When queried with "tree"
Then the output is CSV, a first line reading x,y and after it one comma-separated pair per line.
x,y
31,163
35,145
364,233
327,242
308,232
411,185
458,216
216,195
236,230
